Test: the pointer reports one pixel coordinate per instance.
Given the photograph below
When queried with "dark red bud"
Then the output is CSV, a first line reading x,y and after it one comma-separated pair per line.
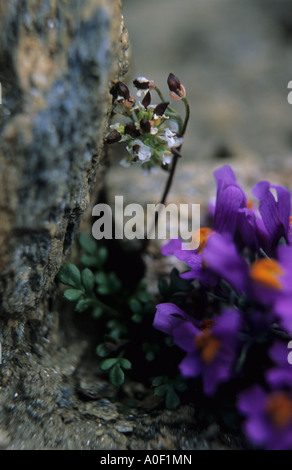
x,y
146,100
113,137
141,85
145,125
160,109
132,130
173,83
120,89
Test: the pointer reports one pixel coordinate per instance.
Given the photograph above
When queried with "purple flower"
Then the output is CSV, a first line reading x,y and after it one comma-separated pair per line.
x,y
280,375
271,284
274,210
229,199
193,258
268,416
168,317
211,348
222,258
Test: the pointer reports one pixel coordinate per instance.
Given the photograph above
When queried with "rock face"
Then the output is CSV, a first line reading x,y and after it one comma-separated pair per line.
x,y
56,61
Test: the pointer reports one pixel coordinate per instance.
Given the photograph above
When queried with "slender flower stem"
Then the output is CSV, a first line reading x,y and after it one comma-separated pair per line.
x,y
170,109
175,157
187,117
159,94
174,163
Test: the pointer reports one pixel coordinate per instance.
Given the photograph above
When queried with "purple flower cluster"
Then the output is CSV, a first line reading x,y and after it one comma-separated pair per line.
x,y
244,262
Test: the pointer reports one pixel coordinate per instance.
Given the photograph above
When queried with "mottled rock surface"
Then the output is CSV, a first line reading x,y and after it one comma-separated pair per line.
x,y
56,60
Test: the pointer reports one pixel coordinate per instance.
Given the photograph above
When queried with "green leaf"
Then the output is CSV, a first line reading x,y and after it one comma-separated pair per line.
x,y
137,318
161,390
107,283
88,244
125,364
102,255
117,329
172,400
69,275
87,277
83,305
158,380
102,351
115,282
149,356
97,312
73,294
134,305
117,376
89,261
108,363
144,296
102,281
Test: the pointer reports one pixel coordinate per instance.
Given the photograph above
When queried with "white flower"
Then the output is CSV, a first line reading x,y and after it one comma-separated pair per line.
x,y
142,151
171,138
173,125
166,158
142,80
120,128
142,91
153,130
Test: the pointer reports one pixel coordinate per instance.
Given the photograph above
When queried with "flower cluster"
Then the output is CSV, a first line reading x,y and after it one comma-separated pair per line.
x,y
153,132
243,266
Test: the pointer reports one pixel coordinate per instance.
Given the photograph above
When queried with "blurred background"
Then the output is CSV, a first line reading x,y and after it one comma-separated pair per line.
x,y
235,59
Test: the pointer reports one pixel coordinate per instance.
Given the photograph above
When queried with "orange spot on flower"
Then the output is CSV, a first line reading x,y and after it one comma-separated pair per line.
x,y
267,272
200,238
290,219
208,345
249,204
279,409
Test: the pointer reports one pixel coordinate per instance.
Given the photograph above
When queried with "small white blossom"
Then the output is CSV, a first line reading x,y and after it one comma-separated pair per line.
x,y
142,93
144,152
166,158
153,130
142,80
171,138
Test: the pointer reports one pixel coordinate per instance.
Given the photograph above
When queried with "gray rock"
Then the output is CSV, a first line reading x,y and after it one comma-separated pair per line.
x,y
56,61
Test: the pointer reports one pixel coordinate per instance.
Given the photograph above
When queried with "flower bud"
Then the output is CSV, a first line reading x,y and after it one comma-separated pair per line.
x,y
120,89
113,137
146,100
173,83
177,90
145,125
160,109
142,83
132,130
